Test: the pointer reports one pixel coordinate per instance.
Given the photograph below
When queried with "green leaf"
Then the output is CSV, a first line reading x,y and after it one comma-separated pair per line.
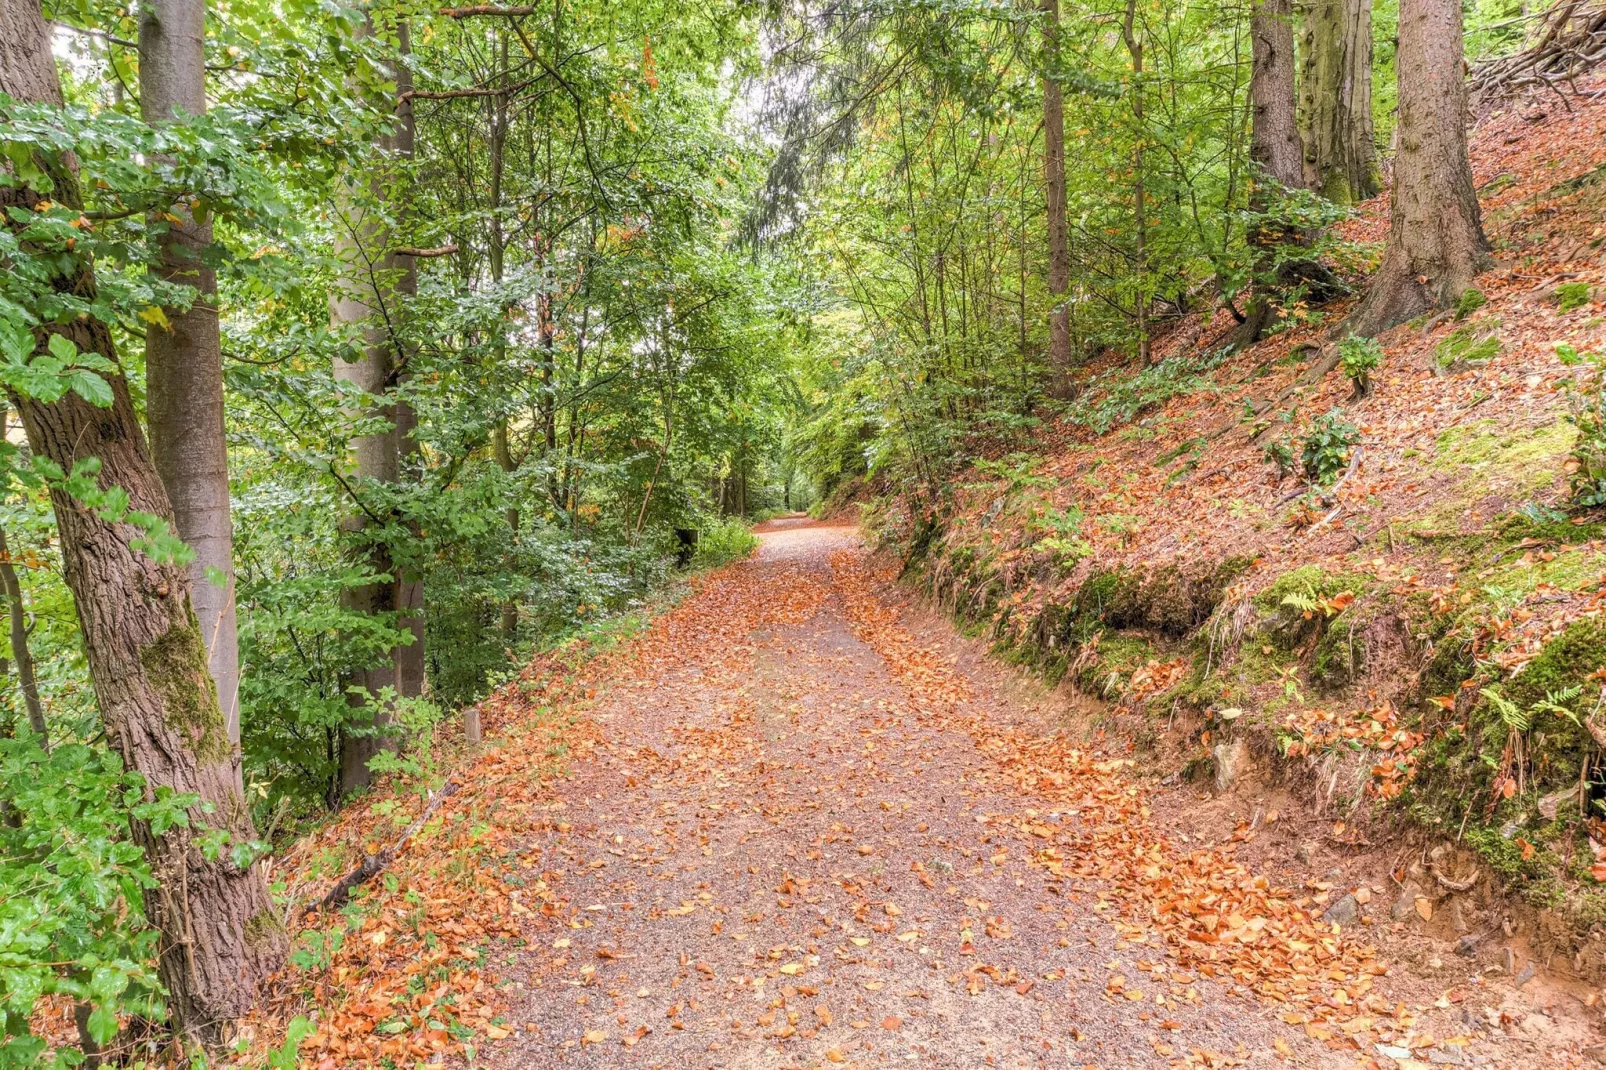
x,y
92,388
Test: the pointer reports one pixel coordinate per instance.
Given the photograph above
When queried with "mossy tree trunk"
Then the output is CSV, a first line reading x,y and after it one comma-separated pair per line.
x,y
220,936
1132,35
1436,245
183,356
1336,100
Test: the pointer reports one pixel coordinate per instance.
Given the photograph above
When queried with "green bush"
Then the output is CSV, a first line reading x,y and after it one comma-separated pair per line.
x,y
1327,448
72,882
1359,358
723,540
1588,414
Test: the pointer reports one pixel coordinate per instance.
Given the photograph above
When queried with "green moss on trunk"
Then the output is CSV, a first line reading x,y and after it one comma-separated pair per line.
x,y
176,667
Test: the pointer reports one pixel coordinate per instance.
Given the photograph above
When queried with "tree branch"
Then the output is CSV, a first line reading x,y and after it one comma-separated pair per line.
x,y
490,9
425,254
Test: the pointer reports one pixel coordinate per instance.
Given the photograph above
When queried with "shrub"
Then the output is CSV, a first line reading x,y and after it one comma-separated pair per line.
x,y
72,887
1279,455
1359,358
1588,414
726,539
1328,446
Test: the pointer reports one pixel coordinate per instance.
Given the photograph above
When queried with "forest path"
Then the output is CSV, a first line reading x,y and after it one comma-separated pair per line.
x,y
787,849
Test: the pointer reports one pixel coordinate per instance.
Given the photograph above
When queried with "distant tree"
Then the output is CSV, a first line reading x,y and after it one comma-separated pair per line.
x,y
377,277
1059,253
1336,100
1274,147
1436,245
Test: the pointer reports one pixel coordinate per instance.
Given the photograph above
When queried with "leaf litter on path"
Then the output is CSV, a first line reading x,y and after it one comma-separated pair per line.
x,y
775,830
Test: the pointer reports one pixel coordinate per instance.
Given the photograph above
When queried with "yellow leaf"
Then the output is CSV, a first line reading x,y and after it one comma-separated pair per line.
x,y
156,317
1424,907
792,968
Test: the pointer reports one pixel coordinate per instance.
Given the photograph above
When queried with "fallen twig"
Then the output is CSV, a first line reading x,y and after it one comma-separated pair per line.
x,y
374,864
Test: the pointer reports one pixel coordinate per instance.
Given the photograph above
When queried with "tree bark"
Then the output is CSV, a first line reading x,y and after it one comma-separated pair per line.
x,y
365,299
1134,47
1336,99
1274,146
410,594
1436,245
220,936
184,360
1059,251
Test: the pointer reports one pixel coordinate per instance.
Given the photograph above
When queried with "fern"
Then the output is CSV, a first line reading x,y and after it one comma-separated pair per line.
x,y
1513,716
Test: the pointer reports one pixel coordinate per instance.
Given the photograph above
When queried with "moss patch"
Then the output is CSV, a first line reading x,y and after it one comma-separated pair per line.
x,y
1119,656
176,667
1476,343
1486,459
263,927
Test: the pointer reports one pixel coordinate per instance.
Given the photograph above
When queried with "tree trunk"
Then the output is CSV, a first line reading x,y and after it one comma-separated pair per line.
x,y
27,681
220,936
365,298
410,591
497,151
1436,245
1336,99
1134,47
504,461
183,359
1273,146
1059,251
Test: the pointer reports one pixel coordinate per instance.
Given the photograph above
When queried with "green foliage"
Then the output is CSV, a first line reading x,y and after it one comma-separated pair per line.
x,y
410,724
72,882
1280,456
1587,405
1358,358
1325,450
722,541
1059,532
1118,397
1572,295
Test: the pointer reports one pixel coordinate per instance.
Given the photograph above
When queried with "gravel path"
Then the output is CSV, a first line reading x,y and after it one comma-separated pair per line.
x,y
772,861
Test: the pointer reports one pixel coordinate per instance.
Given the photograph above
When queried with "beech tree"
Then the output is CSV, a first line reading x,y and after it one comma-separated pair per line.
x,y
377,279
219,933
1336,100
1436,245
1059,253
183,353
1274,147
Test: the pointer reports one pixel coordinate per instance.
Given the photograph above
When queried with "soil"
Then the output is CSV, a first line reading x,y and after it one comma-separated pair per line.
x,y
787,850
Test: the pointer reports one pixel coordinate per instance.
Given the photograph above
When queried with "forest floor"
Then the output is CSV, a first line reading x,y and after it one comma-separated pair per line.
x,y
801,822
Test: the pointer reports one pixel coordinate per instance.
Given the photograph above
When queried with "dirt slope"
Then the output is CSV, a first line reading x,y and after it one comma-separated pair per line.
x,y
1335,643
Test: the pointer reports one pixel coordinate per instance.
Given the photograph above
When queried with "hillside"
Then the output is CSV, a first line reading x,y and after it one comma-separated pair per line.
x,y
1373,639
